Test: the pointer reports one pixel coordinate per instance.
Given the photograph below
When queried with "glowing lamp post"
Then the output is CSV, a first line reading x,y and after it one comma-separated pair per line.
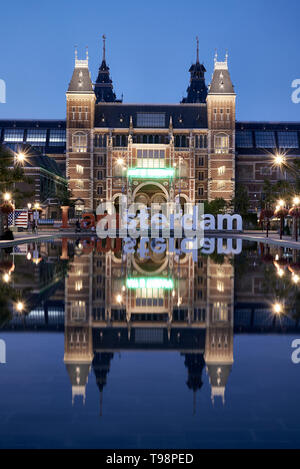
x,y
281,212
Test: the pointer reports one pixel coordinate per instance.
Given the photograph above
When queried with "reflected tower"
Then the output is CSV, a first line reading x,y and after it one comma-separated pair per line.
x,y
219,324
78,322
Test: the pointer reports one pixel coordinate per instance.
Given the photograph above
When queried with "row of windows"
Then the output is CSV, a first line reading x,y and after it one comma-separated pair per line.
x,y
220,115
38,137
266,139
151,158
180,141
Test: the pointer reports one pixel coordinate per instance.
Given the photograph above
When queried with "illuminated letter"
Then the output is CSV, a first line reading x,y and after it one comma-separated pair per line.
x,y
296,93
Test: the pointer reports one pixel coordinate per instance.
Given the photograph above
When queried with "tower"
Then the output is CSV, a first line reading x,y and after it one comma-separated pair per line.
x,y
79,354
79,124
221,133
197,89
103,87
219,325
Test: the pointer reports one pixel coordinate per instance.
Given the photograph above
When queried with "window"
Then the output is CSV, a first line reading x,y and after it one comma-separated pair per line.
x,y
181,141
201,141
266,171
100,160
228,114
79,169
201,161
57,137
13,135
100,141
221,170
244,139
150,158
215,114
78,285
152,119
201,175
265,139
79,142
200,191
288,140
99,190
36,136
100,175
120,141
221,143
220,286
78,310
221,114
220,311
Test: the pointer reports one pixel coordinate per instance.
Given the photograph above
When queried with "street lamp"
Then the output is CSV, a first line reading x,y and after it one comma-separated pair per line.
x,y
279,159
296,200
7,196
20,157
277,308
19,306
119,299
281,212
6,278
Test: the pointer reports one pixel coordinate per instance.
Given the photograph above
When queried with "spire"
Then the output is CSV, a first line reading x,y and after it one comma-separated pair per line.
x,y
103,87
103,54
197,89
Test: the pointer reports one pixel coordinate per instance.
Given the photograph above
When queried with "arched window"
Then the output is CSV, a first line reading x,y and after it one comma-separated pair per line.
x,y
80,142
221,143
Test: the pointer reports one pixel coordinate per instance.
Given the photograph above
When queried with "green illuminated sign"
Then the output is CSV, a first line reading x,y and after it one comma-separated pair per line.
x,y
151,173
150,282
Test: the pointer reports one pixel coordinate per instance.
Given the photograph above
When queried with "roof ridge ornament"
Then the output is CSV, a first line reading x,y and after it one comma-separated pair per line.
x,y
221,65
81,63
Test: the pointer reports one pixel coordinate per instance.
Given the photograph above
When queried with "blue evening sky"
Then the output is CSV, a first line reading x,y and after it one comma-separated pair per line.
x,y
150,46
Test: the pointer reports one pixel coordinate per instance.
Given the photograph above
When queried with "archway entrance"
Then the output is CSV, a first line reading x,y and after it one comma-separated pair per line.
x,y
149,193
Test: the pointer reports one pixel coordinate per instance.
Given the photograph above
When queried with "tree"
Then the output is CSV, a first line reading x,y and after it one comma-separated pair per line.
x,y
215,207
240,202
64,196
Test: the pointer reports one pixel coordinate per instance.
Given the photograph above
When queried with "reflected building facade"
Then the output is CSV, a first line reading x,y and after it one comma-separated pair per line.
x,y
163,302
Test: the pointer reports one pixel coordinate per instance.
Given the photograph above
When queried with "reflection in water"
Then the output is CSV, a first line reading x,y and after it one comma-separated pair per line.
x,y
107,302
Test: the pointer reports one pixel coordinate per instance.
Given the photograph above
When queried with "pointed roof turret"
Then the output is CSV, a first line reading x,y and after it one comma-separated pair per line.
x,y
103,87
81,79
221,82
197,89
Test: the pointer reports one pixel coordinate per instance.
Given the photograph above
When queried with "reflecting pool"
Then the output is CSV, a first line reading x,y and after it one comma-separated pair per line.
x,y
149,347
